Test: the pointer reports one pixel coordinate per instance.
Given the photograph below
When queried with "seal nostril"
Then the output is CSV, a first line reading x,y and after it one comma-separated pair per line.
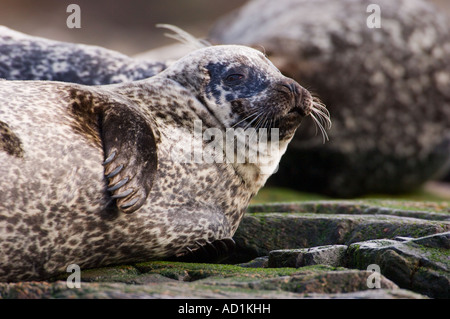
x,y
293,88
285,87
290,87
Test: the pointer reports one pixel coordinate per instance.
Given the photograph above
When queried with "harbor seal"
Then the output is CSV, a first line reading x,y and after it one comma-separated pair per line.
x,y
25,57
96,175
387,88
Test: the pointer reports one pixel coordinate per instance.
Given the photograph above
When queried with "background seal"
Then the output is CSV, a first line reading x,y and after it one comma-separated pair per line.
x,y
25,57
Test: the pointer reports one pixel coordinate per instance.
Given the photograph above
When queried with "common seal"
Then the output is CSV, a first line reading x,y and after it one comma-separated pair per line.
x,y
91,174
25,57
387,88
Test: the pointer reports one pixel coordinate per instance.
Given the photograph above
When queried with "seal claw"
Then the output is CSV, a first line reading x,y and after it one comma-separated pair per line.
x,y
124,194
130,203
116,171
118,185
109,158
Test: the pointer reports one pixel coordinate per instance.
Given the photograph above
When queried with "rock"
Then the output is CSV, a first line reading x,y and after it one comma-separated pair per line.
x,y
421,210
390,110
343,281
259,262
369,294
434,241
331,255
217,281
411,251
59,290
421,265
301,230
409,264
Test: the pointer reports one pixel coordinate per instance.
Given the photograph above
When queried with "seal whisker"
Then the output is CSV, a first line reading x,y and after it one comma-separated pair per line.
x,y
322,129
317,103
183,36
323,117
315,125
260,121
256,127
322,109
250,123
252,114
264,124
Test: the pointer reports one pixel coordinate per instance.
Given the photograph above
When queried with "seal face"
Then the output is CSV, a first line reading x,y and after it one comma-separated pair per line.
x,y
91,175
253,95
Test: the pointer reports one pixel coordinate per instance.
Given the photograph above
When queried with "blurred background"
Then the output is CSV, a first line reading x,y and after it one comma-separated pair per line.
x,y
125,26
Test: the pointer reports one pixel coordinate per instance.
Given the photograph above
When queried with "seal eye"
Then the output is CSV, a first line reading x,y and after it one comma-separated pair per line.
x,y
234,79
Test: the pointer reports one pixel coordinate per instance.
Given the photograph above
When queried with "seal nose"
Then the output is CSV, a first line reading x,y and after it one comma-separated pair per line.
x,y
302,98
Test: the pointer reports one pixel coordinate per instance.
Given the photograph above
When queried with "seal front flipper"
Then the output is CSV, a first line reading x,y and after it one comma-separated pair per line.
x,y
130,155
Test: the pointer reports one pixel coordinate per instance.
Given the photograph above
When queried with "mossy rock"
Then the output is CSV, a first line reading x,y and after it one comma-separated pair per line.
x,y
410,265
301,230
205,280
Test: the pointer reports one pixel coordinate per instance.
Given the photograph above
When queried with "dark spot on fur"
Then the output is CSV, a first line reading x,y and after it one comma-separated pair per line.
x,y
10,142
83,109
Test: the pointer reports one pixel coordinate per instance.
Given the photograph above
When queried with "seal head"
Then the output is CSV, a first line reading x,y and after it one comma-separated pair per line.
x,y
242,88
234,87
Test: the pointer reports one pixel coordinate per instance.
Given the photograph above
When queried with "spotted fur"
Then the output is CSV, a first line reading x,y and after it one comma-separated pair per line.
x,y
56,204
9,142
25,57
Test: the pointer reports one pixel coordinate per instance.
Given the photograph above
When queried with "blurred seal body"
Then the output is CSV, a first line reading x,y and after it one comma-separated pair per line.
x,y
25,57
90,175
